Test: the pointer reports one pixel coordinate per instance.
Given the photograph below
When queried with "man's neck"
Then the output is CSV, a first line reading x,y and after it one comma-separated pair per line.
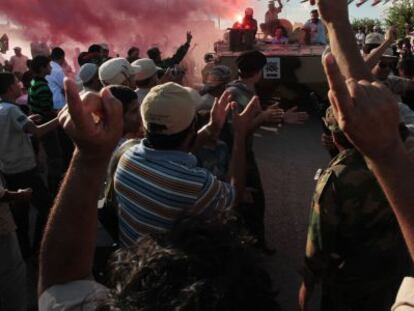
x,y
249,83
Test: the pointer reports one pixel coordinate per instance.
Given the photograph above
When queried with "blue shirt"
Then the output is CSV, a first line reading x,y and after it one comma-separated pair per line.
x,y
318,33
155,188
55,81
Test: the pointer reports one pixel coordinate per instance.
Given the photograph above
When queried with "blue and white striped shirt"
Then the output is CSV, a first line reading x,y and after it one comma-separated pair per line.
x,y
155,188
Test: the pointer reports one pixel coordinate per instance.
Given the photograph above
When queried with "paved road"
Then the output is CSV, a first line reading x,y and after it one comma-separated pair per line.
x,y
288,161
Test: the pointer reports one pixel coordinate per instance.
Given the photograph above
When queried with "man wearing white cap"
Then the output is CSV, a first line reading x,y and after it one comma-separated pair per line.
x,y
146,77
118,71
158,181
88,77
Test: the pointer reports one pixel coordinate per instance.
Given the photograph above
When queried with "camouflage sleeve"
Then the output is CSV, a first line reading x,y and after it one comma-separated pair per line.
x,y
322,231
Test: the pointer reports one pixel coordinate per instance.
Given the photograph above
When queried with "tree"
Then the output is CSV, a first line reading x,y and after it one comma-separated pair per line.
x,y
365,23
400,14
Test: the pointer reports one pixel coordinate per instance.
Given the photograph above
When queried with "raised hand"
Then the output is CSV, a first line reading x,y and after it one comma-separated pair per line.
x,y
242,123
189,37
293,116
332,10
94,123
218,114
391,35
367,112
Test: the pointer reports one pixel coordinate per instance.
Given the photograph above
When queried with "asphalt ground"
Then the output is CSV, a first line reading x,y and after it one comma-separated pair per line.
x,y
288,161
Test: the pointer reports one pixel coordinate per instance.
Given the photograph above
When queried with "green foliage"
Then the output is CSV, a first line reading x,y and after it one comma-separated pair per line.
x,y
401,13
365,23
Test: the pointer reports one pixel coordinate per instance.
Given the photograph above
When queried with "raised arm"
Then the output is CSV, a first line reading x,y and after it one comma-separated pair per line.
x,y
218,117
68,245
369,115
374,57
342,41
241,125
280,7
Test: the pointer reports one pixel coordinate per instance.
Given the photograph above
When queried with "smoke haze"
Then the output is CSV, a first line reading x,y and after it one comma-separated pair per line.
x,y
118,22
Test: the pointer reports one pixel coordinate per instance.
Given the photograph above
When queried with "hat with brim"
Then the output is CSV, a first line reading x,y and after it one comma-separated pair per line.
x,y
87,72
147,69
116,71
168,109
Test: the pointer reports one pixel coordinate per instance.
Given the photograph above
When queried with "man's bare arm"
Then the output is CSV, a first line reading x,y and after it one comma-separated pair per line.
x,y
241,126
280,5
41,130
375,56
218,117
342,41
369,115
68,245
395,173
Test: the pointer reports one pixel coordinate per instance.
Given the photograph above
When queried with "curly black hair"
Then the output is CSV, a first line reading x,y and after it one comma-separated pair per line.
x,y
200,266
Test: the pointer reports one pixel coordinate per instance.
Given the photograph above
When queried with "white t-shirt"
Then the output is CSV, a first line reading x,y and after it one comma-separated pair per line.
x,y
83,295
16,150
405,298
19,63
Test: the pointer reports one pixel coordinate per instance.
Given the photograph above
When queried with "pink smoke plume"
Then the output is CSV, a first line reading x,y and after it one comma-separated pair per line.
x,y
121,23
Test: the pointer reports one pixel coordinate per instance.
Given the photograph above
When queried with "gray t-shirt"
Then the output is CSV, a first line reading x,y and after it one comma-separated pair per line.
x,y
16,150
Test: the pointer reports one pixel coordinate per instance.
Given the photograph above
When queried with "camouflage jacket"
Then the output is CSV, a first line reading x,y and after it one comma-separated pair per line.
x,y
354,239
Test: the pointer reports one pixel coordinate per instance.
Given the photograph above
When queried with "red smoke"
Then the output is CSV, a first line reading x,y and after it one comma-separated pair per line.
x,y
120,23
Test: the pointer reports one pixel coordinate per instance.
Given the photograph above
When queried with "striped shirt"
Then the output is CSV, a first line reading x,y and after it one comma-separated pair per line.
x,y
155,188
40,96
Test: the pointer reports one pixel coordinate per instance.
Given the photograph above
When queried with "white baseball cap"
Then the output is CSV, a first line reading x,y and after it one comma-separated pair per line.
x,y
87,72
147,68
116,71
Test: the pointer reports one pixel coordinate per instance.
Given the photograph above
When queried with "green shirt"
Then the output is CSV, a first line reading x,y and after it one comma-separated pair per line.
x,y
354,239
40,96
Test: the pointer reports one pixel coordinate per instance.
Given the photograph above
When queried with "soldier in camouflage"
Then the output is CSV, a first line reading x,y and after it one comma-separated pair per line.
x,y
355,248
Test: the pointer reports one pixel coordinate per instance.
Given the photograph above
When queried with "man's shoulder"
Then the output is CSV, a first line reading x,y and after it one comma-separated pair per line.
x,y
169,162
6,108
350,167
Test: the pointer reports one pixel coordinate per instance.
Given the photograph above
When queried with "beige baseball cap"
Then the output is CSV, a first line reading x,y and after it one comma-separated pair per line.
x,y
116,71
170,106
147,68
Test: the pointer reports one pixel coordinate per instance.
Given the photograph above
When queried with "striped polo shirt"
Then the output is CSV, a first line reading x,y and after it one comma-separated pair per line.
x,y
40,96
155,188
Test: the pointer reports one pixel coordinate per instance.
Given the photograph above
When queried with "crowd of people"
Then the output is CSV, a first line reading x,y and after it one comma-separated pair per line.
x,y
169,171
